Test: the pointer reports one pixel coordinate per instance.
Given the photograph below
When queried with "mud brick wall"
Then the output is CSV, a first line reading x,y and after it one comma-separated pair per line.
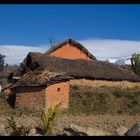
x,y
31,97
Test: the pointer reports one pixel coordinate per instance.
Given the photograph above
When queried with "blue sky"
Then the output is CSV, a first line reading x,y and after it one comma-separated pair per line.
x,y
32,25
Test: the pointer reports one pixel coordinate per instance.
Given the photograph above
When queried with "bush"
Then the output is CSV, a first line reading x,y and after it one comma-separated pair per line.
x,y
1,61
135,62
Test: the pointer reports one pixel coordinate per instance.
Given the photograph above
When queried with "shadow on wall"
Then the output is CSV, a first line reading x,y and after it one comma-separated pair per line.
x,y
11,100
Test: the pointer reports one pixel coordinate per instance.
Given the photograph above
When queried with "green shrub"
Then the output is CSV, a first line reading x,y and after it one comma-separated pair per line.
x,y
135,63
2,57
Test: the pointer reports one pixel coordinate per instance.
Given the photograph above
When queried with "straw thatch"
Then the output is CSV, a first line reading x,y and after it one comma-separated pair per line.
x,y
44,68
74,43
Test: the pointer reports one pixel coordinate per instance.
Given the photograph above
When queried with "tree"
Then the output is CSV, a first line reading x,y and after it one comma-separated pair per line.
x,y
135,62
2,61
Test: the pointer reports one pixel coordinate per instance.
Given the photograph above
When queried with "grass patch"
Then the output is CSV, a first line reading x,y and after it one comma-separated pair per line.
x,y
118,92
104,100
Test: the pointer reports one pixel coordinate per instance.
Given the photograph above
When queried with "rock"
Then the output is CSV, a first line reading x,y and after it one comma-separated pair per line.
x,y
2,130
9,131
121,131
134,131
32,132
85,131
66,133
37,135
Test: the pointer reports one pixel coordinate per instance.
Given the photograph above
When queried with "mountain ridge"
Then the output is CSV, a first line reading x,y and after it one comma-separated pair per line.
x,y
120,61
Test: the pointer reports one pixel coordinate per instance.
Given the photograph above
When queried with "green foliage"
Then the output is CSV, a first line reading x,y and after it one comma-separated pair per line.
x,y
49,119
135,62
1,61
17,131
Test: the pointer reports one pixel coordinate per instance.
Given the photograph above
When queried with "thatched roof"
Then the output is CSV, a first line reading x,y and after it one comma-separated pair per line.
x,y
45,68
74,43
41,78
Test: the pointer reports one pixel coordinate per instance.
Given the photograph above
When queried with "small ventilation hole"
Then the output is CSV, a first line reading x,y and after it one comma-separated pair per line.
x,y
58,89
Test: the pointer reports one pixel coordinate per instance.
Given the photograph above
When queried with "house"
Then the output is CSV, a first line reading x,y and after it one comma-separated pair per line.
x,y
70,49
45,78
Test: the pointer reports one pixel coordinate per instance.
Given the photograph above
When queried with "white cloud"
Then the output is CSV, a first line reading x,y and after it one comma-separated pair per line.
x,y
16,53
108,48
101,48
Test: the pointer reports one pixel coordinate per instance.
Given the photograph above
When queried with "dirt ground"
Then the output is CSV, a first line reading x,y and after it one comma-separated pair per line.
x,y
105,122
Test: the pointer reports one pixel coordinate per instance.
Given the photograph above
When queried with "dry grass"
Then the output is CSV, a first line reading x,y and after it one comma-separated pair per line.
x,y
104,97
102,83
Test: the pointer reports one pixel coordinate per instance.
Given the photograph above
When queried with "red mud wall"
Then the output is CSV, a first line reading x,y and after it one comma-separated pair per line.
x,y
69,51
58,94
